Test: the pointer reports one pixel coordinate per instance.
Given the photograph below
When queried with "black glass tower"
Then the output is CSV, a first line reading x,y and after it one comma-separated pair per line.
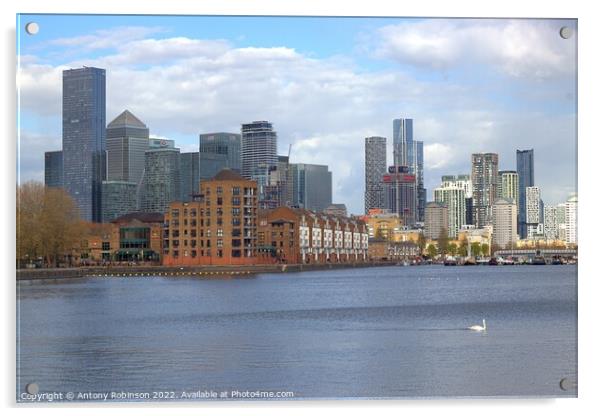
x,y
526,178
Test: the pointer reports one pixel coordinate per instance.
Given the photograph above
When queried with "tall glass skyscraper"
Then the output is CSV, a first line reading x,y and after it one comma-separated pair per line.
x,y
418,171
53,169
403,142
219,151
526,178
312,186
161,182
127,140
189,175
484,187
258,148
375,167
84,138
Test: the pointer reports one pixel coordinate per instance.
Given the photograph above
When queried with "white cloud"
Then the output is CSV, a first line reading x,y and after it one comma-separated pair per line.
x,y
181,87
517,48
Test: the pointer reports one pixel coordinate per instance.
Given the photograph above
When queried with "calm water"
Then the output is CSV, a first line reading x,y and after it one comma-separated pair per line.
x,y
373,332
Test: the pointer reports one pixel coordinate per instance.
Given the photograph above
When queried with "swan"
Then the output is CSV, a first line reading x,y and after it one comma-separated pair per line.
x,y
479,328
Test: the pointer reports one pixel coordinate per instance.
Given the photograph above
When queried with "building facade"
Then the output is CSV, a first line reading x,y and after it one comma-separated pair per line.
x,y
534,218
312,186
400,194
127,140
570,218
525,167
219,226
436,221
219,151
504,223
550,222
484,186
375,158
336,209
161,181
84,138
259,144
454,198
53,169
189,175
403,142
419,172
294,235
118,199
507,187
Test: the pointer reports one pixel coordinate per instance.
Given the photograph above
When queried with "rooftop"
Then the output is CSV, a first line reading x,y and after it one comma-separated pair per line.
x,y
126,118
228,175
140,216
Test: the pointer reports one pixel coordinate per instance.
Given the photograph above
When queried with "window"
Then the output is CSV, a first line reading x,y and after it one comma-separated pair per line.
x,y
220,243
235,212
220,232
235,253
193,212
106,245
220,253
235,190
236,232
175,213
220,200
193,253
193,233
219,190
236,201
236,243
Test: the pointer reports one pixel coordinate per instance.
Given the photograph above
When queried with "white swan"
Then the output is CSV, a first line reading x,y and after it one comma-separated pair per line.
x,y
479,328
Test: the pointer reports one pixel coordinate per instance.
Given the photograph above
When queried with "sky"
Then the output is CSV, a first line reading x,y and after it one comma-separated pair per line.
x,y
470,85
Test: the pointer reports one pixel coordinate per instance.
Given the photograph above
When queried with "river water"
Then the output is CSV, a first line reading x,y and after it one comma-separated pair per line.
x,y
387,332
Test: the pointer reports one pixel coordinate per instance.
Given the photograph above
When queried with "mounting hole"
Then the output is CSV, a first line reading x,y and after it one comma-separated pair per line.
x,y
566,32
566,384
32,28
32,388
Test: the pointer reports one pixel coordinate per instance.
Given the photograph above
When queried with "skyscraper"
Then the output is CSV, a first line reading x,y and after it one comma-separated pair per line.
x,y
400,194
436,220
53,169
161,181
189,175
127,140
312,186
403,142
526,177
507,185
550,222
419,172
258,148
219,151
504,223
533,202
453,197
84,138
484,186
570,217
118,198
375,168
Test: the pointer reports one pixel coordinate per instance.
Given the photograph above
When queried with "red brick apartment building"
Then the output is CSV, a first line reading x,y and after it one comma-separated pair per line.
x,y
219,227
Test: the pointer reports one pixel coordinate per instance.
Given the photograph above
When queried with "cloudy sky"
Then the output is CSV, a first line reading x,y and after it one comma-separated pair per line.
x,y
325,83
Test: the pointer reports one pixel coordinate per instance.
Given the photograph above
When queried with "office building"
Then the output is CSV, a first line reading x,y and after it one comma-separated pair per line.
x,y
504,223
189,175
419,172
484,186
160,143
161,181
525,167
570,219
219,226
127,140
312,186
375,167
436,220
84,138
533,201
400,194
507,186
403,142
550,222
258,148
118,198
219,151
53,169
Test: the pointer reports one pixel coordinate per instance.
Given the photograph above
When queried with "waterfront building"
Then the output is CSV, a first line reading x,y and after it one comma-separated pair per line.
x,y
375,167
381,224
312,186
161,181
379,250
84,138
570,217
504,223
118,198
470,234
534,217
336,209
218,226
189,175
296,235
400,194
507,187
436,220
484,186
453,196
258,148
53,169
219,151
127,140
525,167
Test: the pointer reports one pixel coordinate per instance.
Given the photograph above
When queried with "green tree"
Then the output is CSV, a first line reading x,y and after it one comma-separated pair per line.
x,y
463,249
475,249
452,249
431,250
443,241
421,242
485,249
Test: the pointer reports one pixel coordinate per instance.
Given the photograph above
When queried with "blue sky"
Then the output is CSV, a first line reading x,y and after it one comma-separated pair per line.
x,y
326,84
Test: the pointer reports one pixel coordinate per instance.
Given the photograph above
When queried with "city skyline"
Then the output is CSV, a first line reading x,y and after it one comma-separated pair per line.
x,y
295,76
